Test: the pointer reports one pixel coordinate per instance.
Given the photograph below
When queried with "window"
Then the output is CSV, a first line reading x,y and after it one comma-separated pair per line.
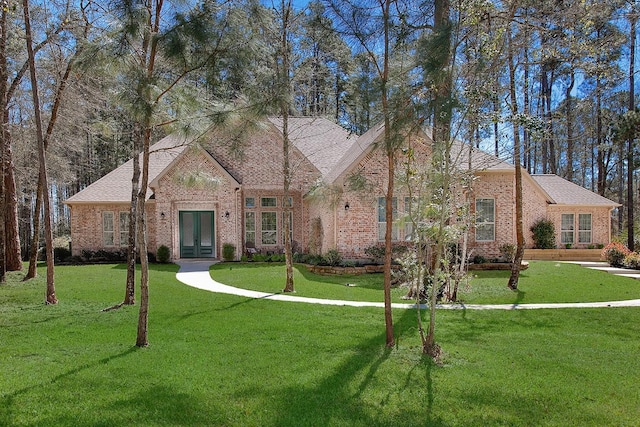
x,y
250,227
290,226
409,212
290,204
107,229
382,218
269,228
584,228
249,202
268,202
123,225
485,220
566,228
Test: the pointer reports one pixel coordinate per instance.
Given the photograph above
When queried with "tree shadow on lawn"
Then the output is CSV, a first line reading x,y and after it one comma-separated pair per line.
x,y
353,394
153,404
8,400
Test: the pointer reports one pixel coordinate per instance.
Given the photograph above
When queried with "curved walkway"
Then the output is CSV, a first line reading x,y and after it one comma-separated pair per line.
x,y
195,273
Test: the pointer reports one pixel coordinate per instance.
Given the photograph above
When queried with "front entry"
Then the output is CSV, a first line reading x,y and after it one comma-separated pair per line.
x,y
196,234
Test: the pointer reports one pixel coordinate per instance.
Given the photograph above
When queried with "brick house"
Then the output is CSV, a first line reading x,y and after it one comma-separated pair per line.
x,y
337,196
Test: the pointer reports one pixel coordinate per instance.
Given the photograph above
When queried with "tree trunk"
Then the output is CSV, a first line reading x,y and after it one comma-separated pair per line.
x,y
569,118
632,107
526,136
11,231
3,138
142,339
50,293
32,271
129,294
388,315
515,267
442,115
149,48
286,169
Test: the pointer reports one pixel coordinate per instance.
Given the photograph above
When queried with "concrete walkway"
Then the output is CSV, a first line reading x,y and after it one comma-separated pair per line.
x,y
603,266
195,273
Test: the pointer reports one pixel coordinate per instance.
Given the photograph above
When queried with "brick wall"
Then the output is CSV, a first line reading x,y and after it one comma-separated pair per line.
x,y
600,223
86,226
172,196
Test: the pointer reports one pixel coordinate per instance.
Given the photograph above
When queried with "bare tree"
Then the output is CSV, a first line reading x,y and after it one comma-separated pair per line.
x,y
51,291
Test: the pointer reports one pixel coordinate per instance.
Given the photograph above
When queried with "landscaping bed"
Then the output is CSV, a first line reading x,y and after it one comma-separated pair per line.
x,y
496,266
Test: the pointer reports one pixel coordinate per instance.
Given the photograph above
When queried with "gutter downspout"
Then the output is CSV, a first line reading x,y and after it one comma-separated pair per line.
x,y
235,226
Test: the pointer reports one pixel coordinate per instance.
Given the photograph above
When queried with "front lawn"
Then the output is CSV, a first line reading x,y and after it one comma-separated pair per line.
x,y
223,360
543,281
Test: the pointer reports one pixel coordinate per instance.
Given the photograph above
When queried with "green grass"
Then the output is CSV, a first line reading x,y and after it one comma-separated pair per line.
x,y
542,282
268,277
221,360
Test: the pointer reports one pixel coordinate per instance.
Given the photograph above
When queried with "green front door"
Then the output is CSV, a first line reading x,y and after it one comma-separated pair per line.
x,y
196,234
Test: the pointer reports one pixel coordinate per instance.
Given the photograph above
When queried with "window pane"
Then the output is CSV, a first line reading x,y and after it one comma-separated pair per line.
x,y
485,220
382,220
485,232
124,228
268,202
584,236
107,229
485,210
567,222
566,234
250,202
206,233
584,222
381,209
187,229
290,226
584,227
107,221
269,228
250,227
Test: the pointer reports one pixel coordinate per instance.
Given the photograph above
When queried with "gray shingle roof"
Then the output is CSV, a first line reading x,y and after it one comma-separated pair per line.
x,y
115,187
358,148
459,153
563,192
320,140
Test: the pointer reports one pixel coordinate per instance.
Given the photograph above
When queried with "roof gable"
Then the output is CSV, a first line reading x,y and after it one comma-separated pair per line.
x,y
563,192
155,182
115,187
321,141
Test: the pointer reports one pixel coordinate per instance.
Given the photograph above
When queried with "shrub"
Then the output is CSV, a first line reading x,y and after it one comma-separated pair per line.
x,y
478,259
508,252
544,234
632,260
333,258
162,254
61,254
315,260
377,252
228,252
259,257
614,253
301,258
276,258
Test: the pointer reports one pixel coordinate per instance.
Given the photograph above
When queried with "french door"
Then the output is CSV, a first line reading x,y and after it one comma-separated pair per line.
x,y
197,238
